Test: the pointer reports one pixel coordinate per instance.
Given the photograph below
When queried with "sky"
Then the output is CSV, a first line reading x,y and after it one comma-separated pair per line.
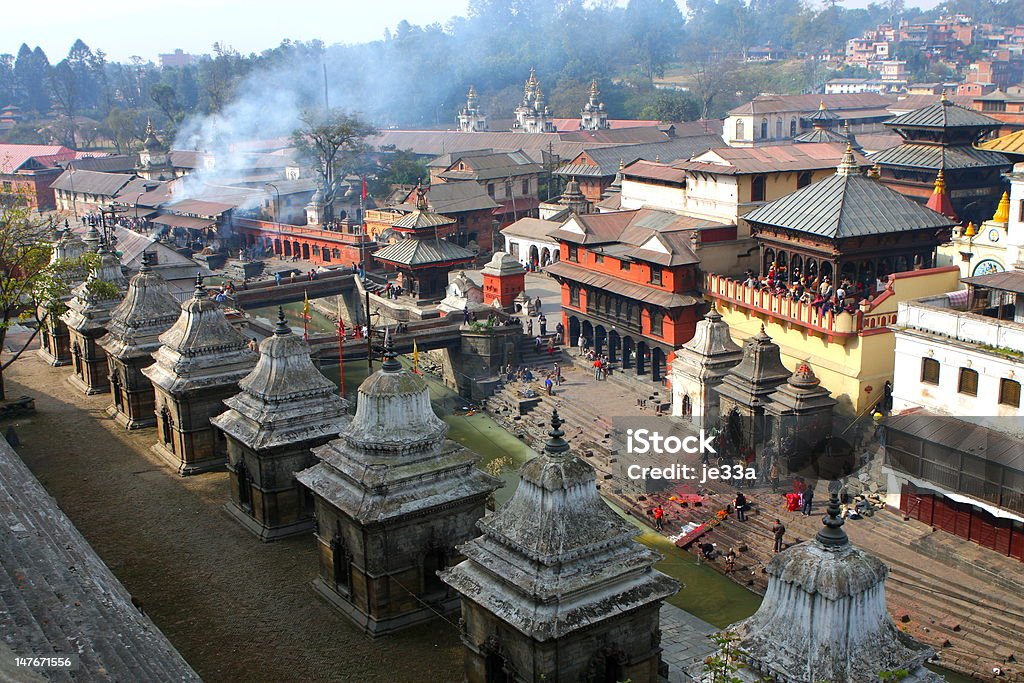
x,y
123,28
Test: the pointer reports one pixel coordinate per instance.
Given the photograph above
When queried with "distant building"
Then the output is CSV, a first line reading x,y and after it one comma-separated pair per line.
x,y
533,115
771,119
593,115
1005,106
176,58
509,178
471,117
28,171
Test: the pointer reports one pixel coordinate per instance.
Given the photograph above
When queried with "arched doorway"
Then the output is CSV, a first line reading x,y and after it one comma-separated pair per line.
x,y
687,405
614,344
628,352
588,332
796,267
545,258
574,331
600,337
642,353
305,251
434,561
244,491
657,363
287,248
769,259
534,255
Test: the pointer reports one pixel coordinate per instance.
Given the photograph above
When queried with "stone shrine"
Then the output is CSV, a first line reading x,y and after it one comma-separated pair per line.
x,y
133,334
394,497
199,364
824,618
504,280
54,338
285,409
745,389
698,369
87,317
556,588
798,421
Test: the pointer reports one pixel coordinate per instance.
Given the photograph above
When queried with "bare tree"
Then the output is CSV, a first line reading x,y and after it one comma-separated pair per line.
x,y
333,142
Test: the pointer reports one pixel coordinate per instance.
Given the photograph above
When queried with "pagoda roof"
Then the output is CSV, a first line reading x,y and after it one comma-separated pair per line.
x,y
847,205
920,155
1008,144
757,374
88,310
819,134
943,114
414,252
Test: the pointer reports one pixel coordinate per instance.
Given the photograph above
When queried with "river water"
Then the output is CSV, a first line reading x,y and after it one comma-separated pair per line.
x,y
705,593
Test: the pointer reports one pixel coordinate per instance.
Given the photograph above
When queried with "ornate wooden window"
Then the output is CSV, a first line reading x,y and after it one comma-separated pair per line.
x,y
1009,393
968,383
929,371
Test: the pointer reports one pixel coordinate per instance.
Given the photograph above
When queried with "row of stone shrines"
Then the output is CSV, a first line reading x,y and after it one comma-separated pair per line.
x,y
552,585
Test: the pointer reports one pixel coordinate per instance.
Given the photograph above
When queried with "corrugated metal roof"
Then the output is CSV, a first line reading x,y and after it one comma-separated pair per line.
x,y
820,135
768,104
532,228
914,155
847,206
669,151
617,136
943,114
450,198
422,220
770,159
1007,281
13,157
176,221
415,252
200,207
650,170
608,283
585,171
952,432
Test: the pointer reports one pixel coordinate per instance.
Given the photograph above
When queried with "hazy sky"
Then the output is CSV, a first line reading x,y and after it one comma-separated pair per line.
x,y
123,28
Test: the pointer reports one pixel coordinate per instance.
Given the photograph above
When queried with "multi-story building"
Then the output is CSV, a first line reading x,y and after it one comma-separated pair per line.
x,y
533,115
27,171
954,449
770,119
509,178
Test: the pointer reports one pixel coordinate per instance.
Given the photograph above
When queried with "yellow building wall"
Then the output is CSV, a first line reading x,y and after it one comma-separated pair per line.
x,y
855,368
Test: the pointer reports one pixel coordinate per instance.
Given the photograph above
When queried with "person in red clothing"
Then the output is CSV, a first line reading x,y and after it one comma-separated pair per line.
x,y
597,368
659,518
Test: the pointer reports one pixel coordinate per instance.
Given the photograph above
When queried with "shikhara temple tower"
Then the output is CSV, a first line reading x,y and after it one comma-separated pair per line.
x,y
394,498
824,618
285,409
746,388
471,117
199,363
133,334
593,116
699,367
154,157
533,115
87,317
556,588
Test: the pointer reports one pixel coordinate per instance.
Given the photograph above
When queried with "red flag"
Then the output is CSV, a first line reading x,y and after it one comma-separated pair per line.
x,y
364,187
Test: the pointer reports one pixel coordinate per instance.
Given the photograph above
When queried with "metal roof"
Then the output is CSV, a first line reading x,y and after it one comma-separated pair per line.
x,y
638,292
671,150
650,170
422,220
960,435
417,252
200,207
1006,281
532,228
915,155
819,134
847,206
943,114
184,222
769,159
92,182
451,198
848,103
1010,144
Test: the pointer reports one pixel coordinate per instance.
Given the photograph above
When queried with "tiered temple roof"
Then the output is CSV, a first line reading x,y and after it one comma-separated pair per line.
x,y
393,460
758,374
89,310
146,312
285,399
201,349
556,559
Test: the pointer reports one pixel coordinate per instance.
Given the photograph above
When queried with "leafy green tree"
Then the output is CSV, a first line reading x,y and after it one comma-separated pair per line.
x,y
672,106
30,286
721,666
31,68
656,29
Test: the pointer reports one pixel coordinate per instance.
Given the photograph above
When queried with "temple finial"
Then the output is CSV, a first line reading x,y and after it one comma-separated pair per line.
x,y
200,290
556,445
391,363
146,261
282,324
832,535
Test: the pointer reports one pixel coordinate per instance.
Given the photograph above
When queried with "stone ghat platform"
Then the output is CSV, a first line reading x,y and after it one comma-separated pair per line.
x,y
57,598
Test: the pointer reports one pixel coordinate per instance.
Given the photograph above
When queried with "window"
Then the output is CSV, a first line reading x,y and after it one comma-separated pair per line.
x,y
803,179
792,128
655,275
778,128
764,128
929,371
598,258
968,383
739,132
1020,214
490,190
757,189
1009,393
574,295
526,187
574,253
623,265
657,323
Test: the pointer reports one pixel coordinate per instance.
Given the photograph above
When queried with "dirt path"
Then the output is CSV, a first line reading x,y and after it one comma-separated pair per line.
x,y
236,608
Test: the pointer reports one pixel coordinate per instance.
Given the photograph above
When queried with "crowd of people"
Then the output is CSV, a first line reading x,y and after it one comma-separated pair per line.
x,y
820,292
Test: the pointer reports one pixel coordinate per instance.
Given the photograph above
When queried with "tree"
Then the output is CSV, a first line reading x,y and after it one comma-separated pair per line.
x,y
333,142
672,106
656,28
30,286
123,127
721,666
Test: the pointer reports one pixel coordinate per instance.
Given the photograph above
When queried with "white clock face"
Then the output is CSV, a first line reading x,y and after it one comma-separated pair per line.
x,y
987,267
993,235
